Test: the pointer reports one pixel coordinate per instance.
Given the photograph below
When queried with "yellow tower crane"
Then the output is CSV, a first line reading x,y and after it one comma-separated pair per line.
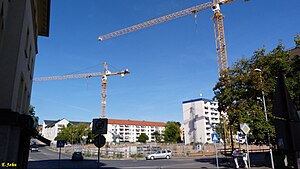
x,y
218,27
104,76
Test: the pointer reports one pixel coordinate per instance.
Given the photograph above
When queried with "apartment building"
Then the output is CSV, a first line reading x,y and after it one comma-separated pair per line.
x,y
199,117
130,130
117,130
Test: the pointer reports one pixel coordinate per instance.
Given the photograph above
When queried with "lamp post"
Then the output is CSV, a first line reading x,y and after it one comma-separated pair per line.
x,y
266,116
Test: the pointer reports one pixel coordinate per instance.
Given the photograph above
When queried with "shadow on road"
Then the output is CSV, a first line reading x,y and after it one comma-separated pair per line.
x,y
256,160
66,164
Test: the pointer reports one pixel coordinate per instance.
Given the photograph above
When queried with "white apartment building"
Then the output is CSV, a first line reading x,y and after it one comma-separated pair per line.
x,y
117,130
199,115
130,130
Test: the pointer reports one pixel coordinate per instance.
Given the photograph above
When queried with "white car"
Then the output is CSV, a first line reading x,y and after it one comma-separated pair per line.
x,y
167,154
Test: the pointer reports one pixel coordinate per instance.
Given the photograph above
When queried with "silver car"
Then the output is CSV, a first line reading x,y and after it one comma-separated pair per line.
x,y
167,154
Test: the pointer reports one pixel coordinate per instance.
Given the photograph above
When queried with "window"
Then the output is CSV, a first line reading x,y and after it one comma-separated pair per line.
x,y
30,59
60,125
1,19
24,98
20,93
26,43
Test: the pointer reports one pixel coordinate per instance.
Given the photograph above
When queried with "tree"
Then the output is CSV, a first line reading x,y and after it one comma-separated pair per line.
x,y
157,136
239,90
172,132
73,133
143,138
34,117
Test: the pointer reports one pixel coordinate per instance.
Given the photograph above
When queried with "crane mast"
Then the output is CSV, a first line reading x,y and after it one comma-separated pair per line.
x,y
104,85
218,27
104,76
220,39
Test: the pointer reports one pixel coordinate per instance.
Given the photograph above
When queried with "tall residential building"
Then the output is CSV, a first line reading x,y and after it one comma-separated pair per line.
x,y
199,115
21,22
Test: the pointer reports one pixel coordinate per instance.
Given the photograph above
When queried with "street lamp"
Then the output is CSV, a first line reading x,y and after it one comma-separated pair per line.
x,y
266,116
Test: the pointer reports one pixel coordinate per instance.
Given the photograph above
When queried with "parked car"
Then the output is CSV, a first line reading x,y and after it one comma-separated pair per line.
x,y
167,154
77,156
34,147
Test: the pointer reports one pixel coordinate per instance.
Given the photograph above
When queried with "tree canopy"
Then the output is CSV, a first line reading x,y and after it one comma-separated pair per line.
x,y
172,132
73,133
157,136
143,138
239,90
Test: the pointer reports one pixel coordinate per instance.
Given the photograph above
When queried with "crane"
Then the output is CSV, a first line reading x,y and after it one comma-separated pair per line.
x,y
104,76
218,27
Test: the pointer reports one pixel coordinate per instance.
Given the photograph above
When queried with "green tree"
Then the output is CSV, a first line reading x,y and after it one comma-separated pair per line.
x,y
157,136
143,138
34,117
297,40
239,90
172,132
73,133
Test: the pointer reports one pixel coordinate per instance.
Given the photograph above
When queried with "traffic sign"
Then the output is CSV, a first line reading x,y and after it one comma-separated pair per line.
x,y
60,143
215,137
99,141
198,147
245,128
100,126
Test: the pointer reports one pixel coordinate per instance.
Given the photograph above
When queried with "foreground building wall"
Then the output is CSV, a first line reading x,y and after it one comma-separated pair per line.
x,y
21,21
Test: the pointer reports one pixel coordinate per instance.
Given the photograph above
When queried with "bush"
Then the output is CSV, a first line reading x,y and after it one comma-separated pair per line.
x,y
137,155
87,154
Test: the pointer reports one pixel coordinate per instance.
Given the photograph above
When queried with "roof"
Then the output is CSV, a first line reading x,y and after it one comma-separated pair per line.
x,y
78,122
136,122
199,99
51,123
295,52
43,14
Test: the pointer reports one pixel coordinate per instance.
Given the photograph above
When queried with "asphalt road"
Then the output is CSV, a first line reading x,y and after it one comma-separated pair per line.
x,y
48,159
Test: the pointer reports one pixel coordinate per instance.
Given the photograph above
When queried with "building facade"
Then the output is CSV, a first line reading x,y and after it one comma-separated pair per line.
x,y
21,22
130,130
117,130
199,118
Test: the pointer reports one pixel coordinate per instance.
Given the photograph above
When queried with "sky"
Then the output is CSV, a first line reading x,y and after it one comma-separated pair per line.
x,y
169,63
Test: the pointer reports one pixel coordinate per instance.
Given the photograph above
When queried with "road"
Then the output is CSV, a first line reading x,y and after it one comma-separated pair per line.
x,y
48,159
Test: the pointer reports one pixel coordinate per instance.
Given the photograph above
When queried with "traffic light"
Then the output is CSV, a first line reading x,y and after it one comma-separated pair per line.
x,y
100,126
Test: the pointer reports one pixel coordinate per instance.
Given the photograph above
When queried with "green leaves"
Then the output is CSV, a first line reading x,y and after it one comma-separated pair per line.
x,y
143,138
74,133
172,132
157,136
239,90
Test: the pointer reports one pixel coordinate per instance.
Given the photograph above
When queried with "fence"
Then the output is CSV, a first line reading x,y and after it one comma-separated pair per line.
x,y
131,150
